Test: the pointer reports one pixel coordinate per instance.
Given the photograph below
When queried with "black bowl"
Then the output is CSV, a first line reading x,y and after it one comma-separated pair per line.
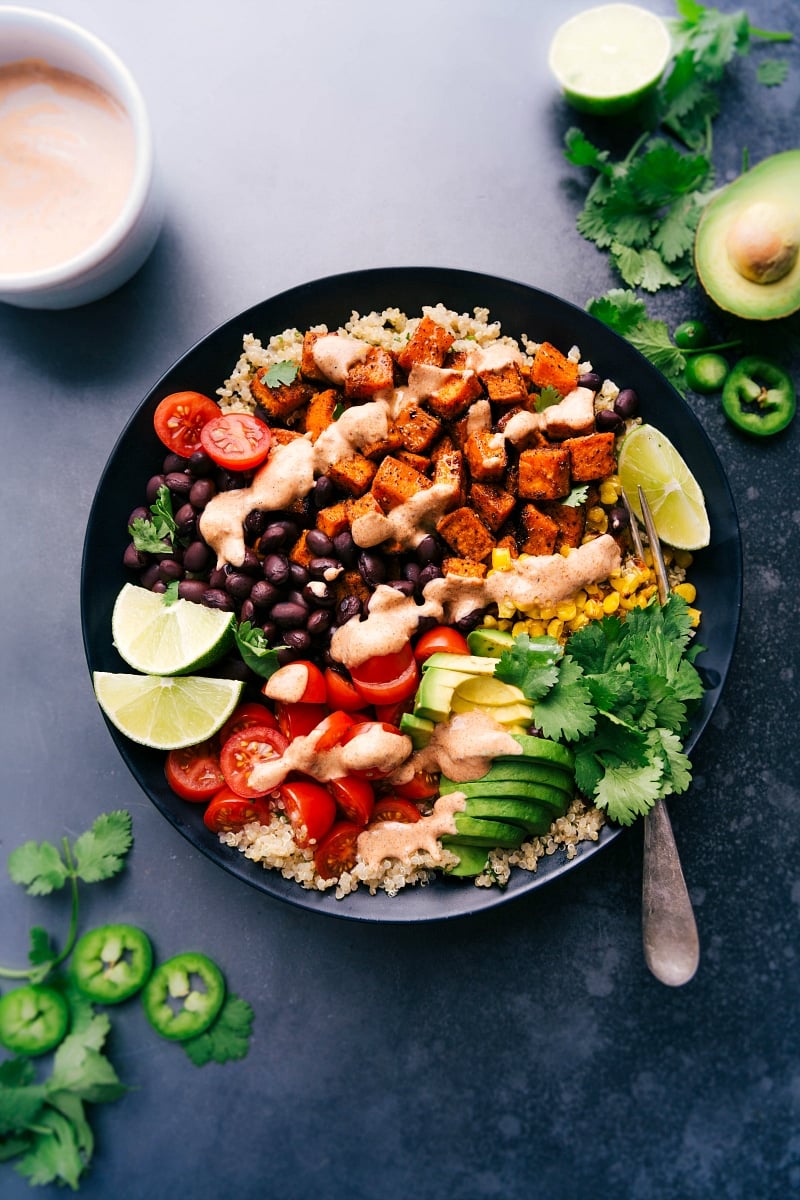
x,y
717,570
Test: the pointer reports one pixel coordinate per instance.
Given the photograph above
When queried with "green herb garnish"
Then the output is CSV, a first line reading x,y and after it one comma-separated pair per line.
x,y
280,373
155,536
256,651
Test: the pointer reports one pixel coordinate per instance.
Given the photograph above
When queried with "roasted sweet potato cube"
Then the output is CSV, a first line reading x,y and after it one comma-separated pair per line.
x,y
281,401
445,445
551,368
486,456
334,519
455,395
544,473
419,462
308,366
506,385
320,411
466,534
418,429
361,507
350,583
428,343
541,532
280,437
352,475
464,567
388,445
395,482
374,374
591,457
300,552
509,542
570,519
493,504
451,471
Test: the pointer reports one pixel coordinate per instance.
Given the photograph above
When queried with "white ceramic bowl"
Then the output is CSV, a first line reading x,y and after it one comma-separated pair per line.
x,y
125,244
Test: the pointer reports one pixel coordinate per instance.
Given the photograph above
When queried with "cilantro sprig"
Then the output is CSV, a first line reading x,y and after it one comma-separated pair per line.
x,y
643,209
621,692
156,536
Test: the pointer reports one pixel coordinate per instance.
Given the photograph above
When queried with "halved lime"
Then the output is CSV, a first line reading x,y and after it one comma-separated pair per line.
x,y
168,639
608,58
648,459
164,712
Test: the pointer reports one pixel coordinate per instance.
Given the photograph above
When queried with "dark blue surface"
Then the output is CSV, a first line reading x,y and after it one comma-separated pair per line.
x,y
519,1052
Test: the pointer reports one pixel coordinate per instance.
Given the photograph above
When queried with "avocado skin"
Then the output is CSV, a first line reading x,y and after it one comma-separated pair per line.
x,y
775,180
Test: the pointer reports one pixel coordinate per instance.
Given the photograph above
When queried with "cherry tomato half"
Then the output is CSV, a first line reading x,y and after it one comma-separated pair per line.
x,y
286,679
179,419
440,639
236,441
297,720
342,694
310,808
332,729
391,714
388,678
228,811
247,715
394,808
354,798
247,749
194,772
336,852
423,786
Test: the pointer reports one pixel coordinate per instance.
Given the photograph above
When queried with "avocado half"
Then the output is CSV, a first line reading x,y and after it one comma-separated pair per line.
x,y
748,238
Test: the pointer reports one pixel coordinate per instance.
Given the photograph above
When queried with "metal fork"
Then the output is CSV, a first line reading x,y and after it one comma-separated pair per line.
x,y
669,930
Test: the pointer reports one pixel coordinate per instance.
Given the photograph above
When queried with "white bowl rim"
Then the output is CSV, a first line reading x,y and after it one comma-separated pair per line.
x,y
127,94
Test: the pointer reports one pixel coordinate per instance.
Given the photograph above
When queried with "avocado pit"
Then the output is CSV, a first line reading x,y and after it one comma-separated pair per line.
x,y
763,242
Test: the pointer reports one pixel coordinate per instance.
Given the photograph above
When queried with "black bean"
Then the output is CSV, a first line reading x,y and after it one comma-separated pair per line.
x,y
298,639
287,615
429,550
319,544
217,577
192,589
466,624
174,462
626,403
248,611
608,421
153,484
296,597
288,654
618,519
402,585
276,569
371,568
590,380
348,607
317,594
228,481
319,622
216,598
411,572
201,464
178,483
323,492
238,585
278,535
324,568
133,559
429,573
345,548
426,623
298,575
149,576
255,523
169,570
196,557
263,594
159,586
251,563
186,521
140,514
201,491
270,631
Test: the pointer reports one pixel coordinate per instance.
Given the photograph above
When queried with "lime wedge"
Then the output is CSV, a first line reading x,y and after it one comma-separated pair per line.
x,y
647,459
166,713
168,639
606,59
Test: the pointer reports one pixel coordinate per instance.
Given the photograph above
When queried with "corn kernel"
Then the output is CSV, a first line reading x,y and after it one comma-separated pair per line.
x,y
519,627
628,603
538,628
593,610
547,614
490,622
566,610
501,558
555,628
505,610
694,614
609,492
684,558
611,603
578,622
565,551
687,590
504,625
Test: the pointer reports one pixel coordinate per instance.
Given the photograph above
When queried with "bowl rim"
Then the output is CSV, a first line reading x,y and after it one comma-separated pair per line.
x,y
128,95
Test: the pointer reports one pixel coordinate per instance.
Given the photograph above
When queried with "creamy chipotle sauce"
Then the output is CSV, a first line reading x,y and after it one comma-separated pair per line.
x,y
67,158
396,839
462,748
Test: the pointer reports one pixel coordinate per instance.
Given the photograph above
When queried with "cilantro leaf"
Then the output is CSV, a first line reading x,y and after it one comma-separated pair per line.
x,y
547,398
228,1036
256,651
567,710
626,314
39,867
577,496
280,373
626,792
620,309
530,665
21,1100
41,948
54,1155
100,851
772,72
79,1066
583,153
156,535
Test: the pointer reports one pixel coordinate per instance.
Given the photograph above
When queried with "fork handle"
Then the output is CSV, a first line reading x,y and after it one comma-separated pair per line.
x,y
669,930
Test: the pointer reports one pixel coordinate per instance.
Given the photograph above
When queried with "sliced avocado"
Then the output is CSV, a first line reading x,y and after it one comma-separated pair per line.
x,y
486,690
489,642
555,799
465,664
534,818
435,691
747,241
543,748
472,860
478,832
506,714
419,729
526,771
